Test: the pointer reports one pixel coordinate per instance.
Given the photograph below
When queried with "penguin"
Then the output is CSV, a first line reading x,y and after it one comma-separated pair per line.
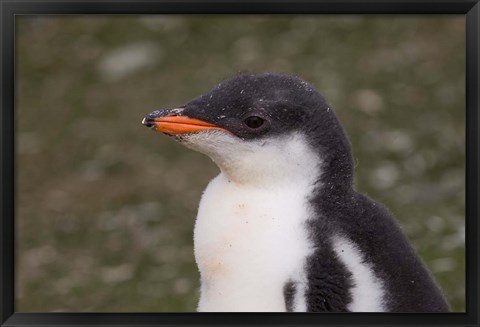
x,y
281,228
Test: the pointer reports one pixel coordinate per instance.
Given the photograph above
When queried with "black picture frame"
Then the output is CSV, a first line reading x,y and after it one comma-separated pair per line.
x,y
9,9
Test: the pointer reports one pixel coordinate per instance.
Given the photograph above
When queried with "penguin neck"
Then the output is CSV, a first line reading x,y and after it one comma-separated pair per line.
x,y
275,162
335,150
338,174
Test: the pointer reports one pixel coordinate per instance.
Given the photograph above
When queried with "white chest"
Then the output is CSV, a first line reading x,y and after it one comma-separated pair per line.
x,y
248,243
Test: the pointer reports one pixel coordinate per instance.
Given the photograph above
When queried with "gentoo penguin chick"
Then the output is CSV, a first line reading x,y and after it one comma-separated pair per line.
x,y
281,227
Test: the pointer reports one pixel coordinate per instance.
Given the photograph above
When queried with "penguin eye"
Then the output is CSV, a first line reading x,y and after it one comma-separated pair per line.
x,y
254,121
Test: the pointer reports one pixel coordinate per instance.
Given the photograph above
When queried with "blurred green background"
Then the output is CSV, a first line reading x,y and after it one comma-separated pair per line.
x,y
105,207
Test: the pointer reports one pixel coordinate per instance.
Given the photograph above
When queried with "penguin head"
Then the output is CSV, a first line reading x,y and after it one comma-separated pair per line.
x,y
258,126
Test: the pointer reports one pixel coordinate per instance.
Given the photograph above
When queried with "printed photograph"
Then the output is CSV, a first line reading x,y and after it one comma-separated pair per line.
x,y
227,163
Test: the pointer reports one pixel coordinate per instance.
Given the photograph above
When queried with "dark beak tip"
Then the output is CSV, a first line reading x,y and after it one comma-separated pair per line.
x,y
147,122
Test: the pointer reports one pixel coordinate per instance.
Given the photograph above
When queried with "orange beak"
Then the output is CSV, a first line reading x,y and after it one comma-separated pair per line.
x,y
175,125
